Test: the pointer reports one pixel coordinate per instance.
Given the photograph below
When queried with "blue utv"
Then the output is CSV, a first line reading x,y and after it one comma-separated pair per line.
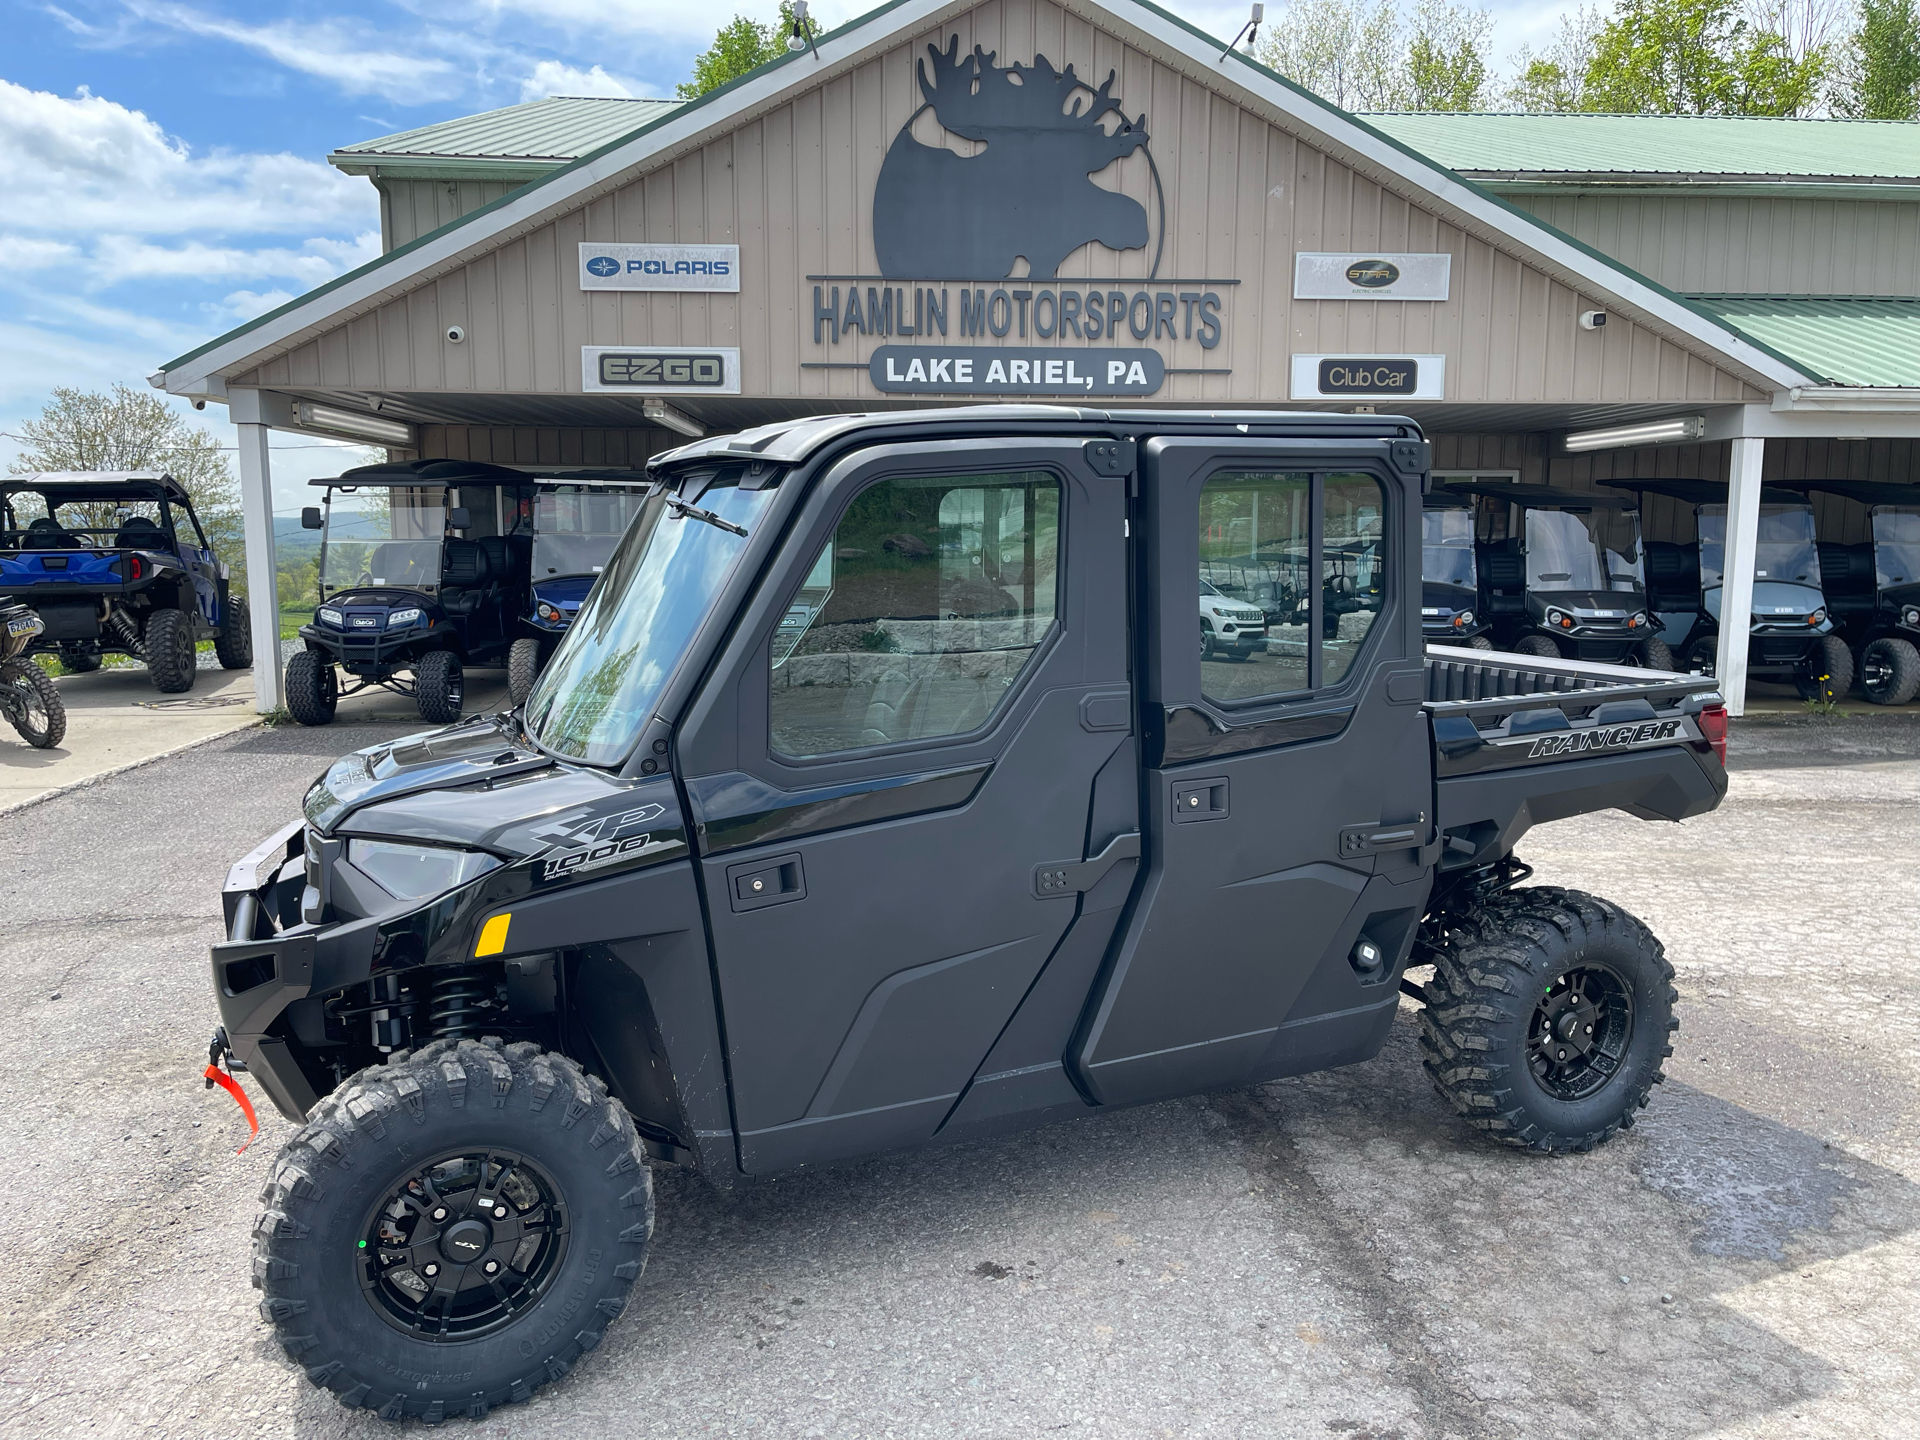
x,y
576,522
116,563
420,576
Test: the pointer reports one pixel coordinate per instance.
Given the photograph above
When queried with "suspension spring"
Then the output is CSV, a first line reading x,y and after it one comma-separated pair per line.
x,y
461,1004
125,631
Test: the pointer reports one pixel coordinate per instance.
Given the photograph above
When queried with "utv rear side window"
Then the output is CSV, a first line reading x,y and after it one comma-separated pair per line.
x,y
1291,580
918,616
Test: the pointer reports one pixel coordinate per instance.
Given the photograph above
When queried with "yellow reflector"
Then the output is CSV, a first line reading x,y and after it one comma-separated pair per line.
x,y
493,936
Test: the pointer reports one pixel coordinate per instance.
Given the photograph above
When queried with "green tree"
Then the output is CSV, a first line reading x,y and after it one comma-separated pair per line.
x,y
742,45
1555,80
1346,53
1447,57
1882,63
127,429
1697,57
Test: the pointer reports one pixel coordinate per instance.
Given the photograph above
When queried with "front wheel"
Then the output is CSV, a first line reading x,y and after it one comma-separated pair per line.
x,y
1548,1018
171,659
1827,673
1541,646
34,704
453,1229
523,668
1479,642
1656,654
439,687
1890,671
313,688
234,644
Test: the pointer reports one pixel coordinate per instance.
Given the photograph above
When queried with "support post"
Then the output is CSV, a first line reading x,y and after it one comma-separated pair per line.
x,y
263,591
1736,593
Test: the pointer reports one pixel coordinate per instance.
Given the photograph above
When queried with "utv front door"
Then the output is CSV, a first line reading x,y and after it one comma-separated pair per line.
x,y
1290,792
919,732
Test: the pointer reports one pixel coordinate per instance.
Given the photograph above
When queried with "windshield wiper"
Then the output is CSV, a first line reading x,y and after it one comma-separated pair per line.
x,y
694,512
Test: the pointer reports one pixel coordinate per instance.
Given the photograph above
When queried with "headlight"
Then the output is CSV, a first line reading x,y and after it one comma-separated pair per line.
x,y
1560,618
546,611
1817,616
417,872
1465,617
1912,616
332,617
409,616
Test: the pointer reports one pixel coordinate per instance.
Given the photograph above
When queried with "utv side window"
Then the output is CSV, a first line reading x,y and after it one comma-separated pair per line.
x,y
1267,579
920,613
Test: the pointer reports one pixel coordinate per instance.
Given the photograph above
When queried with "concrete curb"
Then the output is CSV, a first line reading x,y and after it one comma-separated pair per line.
x,y
59,790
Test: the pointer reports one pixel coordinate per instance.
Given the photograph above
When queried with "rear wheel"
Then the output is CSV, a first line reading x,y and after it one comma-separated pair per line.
x,y
523,668
34,704
1827,673
1703,655
439,687
313,688
1548,1018
171,661
1890,671
1542,646
469,1217
234,644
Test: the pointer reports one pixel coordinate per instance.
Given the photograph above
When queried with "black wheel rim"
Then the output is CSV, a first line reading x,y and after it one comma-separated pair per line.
x,y
463,1245
34,718
1578,1037
1876,674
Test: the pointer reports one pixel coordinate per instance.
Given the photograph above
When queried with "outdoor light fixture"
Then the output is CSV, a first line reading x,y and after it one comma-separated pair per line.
x,y
661,413
349,422
1249,31
802,36
1653,432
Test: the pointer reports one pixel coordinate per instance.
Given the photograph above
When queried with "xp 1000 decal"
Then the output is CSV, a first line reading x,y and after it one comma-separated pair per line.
x,y
585,845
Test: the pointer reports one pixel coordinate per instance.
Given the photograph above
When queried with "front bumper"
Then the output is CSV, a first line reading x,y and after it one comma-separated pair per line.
x,y
366,649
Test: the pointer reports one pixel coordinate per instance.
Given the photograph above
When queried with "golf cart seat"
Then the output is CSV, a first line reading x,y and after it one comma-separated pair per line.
x,y
499,556
1847,577
520,554
46,534
463,577
1673,575
137,532
1503,569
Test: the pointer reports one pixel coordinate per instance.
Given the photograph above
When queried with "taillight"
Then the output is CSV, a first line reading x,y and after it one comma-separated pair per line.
x,y
1713,725
134,567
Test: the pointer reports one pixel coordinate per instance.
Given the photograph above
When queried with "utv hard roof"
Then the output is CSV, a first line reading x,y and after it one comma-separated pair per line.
x,y
1703,492
1543,497
478,472
791,441
64,485
1867,492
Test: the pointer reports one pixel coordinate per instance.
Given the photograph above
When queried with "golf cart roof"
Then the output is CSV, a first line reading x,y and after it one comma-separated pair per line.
x,y
1704,492
478,472
60,486
1442,498
1867,492
1543,497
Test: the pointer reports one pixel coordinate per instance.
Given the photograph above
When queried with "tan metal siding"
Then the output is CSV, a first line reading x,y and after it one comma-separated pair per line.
x,y
1748,245
794,190
544,445
412,208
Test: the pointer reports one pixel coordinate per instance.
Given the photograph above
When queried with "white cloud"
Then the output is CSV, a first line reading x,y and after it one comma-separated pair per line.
x,y
550,77
72,165
242,305
125,258
20,252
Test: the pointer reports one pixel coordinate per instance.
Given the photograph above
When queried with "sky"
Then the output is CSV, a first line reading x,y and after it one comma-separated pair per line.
x,y
164,164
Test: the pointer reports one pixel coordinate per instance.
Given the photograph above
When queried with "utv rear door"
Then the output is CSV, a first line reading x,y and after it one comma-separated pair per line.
x,y
919,733
1289,791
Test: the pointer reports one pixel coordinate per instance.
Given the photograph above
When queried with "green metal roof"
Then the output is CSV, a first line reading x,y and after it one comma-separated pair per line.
x,y
1866,341
529,140
1662,148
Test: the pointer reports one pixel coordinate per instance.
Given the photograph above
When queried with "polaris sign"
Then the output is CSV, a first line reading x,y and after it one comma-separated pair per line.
x,y
608,266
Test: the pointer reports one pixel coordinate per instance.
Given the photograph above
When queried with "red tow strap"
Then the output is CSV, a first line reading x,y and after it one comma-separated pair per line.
x,y
217,1076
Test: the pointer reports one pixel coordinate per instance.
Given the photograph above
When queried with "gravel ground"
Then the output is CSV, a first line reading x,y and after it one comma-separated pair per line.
x,y
1334,1256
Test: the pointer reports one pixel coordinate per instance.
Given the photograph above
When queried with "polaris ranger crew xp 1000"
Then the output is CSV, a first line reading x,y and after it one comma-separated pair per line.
x,y
879,797
418,580
115,563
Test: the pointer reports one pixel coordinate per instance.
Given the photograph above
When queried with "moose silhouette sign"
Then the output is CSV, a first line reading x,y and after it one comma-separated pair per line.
x,y
1029,193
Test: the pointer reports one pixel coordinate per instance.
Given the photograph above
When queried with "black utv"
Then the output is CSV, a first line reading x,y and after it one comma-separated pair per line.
x,y
1450,608
115,563
1792,637
1567,579
879,797
424,570
1874,589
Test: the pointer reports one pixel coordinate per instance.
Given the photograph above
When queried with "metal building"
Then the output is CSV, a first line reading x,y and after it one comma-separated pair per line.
x,y
1066,200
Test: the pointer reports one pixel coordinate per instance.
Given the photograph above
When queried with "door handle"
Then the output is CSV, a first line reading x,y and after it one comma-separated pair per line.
x,y
1076,877
756,884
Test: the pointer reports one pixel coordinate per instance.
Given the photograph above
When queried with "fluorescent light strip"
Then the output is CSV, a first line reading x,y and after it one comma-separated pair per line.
x,y
673,418
1654,432
348,422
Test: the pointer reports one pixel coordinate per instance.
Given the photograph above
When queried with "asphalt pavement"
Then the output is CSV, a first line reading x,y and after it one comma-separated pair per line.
x,y
1335,1257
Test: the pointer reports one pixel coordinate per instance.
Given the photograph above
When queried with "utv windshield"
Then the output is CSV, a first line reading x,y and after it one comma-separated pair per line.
x,y
1896,546
1583,550
575,527
596,694
1785,550
383,535
1446,547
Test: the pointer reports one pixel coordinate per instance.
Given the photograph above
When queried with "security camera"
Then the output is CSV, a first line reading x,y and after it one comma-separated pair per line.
x,y
1592,319
199,404
457,333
